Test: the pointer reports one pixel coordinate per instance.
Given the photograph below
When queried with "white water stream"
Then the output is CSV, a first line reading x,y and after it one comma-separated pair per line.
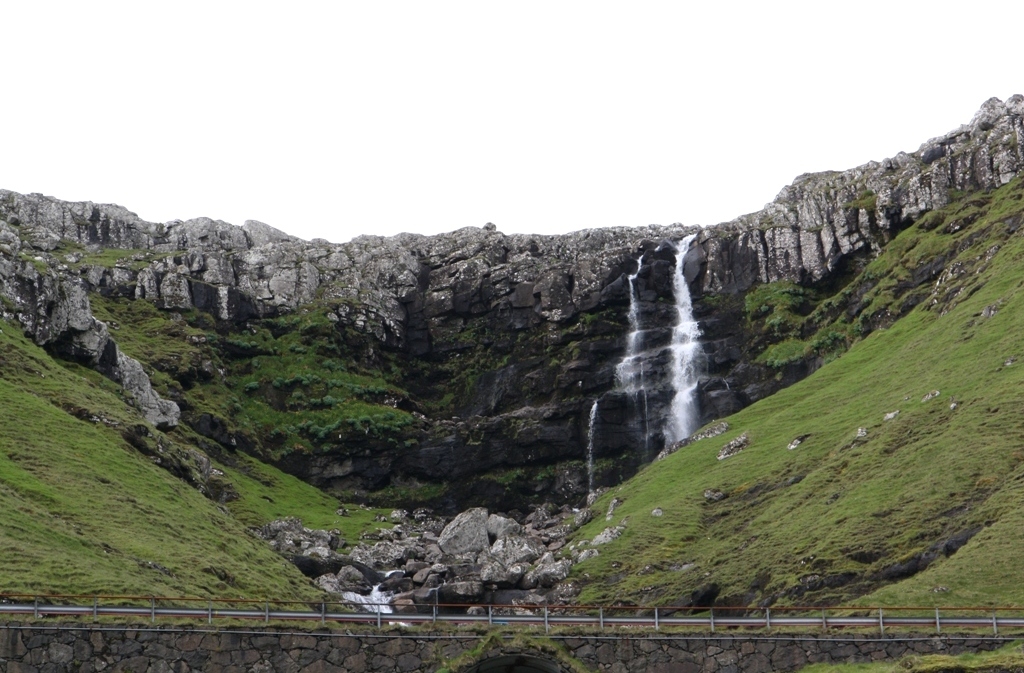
x,y
375,601
629,373
590,448
684,418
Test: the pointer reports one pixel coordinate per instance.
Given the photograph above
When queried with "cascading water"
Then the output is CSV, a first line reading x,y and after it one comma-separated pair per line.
x,y
629,373
590,448
375,601
684,417
644,346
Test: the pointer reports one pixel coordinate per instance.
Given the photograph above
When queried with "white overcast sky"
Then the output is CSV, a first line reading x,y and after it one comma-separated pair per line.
x,y
334,119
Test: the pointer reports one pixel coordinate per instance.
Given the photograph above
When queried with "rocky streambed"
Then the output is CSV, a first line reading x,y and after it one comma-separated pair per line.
x,y
423,560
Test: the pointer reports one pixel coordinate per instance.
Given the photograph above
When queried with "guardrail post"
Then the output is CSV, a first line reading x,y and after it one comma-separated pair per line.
x,y
824,622
995,625
546,627
434,609
768,618
600,617
378,616
490,616
266,612
209,612
881,623
95,608
712,610
152,609
938,624
323,613
35,607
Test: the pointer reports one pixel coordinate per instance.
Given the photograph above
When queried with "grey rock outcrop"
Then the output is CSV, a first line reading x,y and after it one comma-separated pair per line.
x,y
54,310
409,284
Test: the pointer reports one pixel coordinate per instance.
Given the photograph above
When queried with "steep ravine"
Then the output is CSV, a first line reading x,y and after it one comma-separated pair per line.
x,y
473,357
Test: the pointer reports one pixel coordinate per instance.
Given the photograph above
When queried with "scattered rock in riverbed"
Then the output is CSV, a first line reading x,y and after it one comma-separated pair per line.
x,y
472,559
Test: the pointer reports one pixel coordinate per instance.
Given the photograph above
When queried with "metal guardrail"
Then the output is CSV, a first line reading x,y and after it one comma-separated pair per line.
x,y
601,617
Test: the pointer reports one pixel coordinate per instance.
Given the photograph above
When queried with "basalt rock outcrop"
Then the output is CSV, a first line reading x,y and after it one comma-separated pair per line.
x,y
531,326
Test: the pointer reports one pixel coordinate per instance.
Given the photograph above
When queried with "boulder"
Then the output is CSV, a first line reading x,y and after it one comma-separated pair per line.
x,y
385,554
502,577
467,533
797,441
460,592
713,495
546,575
582,517
517,549
403,606
499,526
347,579
612,506
607,535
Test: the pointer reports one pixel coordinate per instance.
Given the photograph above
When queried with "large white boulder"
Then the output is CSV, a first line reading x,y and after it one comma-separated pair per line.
x,y
467,533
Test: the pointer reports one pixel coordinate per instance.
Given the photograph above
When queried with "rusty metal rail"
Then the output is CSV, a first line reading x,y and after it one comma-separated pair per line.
x,y
151,608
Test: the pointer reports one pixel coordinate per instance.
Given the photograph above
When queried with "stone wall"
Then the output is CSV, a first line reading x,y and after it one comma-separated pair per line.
x,y
117,649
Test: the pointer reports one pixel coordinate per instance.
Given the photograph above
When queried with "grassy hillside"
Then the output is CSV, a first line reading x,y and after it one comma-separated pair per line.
x,y
1008,658
878,518
93,501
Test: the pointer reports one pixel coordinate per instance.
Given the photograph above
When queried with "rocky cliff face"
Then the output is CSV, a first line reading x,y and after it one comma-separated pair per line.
x,y
502,341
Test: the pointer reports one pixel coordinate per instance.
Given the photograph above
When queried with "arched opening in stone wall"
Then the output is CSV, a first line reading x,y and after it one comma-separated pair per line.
x,y
515,663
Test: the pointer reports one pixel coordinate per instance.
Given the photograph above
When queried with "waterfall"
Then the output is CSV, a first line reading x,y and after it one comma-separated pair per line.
x,y
629,373
590,448
684,417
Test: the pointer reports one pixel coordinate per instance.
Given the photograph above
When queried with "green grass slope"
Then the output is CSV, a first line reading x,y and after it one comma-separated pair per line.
x,y
878,519
1007,658
83,510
